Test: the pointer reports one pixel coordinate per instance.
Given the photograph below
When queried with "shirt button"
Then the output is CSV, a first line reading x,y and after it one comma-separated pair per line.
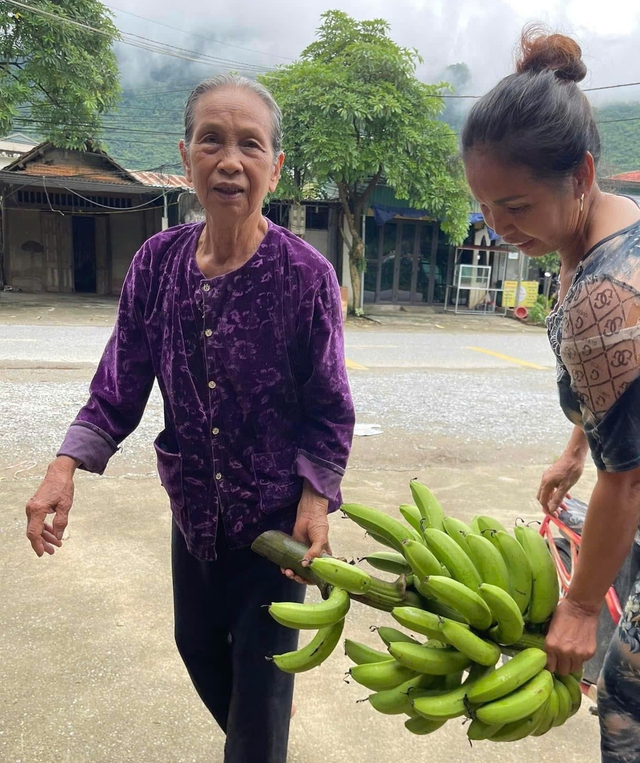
x,y
206,287
208,332
215,430
218,476
212,385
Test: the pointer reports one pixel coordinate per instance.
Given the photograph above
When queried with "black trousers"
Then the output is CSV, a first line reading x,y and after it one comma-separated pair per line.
x,y
224,633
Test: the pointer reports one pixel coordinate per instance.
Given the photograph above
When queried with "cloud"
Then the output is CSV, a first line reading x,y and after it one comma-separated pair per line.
x,y
482,35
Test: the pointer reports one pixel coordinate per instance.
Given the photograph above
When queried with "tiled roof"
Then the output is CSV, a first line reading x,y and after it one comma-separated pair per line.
x,y
75,172
160,180
627,177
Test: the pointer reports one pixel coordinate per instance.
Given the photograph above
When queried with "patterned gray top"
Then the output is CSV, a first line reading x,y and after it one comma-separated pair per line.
x,y
595,335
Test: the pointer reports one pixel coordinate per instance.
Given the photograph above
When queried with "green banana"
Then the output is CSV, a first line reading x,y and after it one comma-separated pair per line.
x,y
418,620
306,616
545,589
431,605
380,524
391,635
505,612
487,524
422,725
477,649
341,574
529,641
488,561
520,704
458,531
509,677
423,561
512,732
314,653
456,595
411,515
382,540
428,505
453,680
520,575
549,716
399,701
362,653
450,704
564,702
449,553
477,730
379,676
425,659
388,561
575,692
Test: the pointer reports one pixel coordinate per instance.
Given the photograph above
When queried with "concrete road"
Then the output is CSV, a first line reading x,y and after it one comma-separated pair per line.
x,y
88,669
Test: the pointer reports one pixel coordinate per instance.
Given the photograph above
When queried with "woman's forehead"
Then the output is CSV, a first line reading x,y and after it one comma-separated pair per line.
x,y
232,104
489,175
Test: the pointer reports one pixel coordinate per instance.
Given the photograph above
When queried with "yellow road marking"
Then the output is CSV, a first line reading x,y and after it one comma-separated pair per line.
x,y
355,366
509,359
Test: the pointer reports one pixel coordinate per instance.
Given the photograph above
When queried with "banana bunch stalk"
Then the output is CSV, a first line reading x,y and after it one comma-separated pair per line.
x,y
472,592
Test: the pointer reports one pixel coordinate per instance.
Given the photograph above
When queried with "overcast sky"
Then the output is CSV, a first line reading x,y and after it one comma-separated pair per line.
x,y
481,33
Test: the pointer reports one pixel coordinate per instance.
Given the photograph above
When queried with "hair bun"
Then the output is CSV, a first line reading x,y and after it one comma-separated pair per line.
x,y
541,51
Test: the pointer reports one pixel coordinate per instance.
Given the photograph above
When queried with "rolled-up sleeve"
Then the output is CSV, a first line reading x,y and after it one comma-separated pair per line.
x,y
328,413
121,385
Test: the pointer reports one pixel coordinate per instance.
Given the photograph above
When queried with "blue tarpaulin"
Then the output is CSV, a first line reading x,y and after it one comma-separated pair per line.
x,y
383,214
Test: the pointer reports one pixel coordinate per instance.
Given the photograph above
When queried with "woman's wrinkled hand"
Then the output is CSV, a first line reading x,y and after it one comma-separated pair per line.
x,y
311,528
558,480
54,496
572,638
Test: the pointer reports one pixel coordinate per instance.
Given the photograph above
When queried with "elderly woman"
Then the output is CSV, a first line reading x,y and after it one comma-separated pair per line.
x,y
530,149
240,323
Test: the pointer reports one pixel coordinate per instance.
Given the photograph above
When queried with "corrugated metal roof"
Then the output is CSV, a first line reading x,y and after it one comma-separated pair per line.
x,y
627,177
160,180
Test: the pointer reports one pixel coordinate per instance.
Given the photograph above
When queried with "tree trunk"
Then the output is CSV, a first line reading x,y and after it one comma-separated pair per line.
x,y
356,286
357,264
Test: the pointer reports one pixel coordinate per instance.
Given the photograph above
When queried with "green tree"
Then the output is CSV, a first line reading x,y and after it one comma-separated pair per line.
x,y
57,77
356,115
550,262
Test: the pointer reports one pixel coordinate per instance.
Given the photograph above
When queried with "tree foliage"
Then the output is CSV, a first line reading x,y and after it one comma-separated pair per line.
x,y
55,77
354,115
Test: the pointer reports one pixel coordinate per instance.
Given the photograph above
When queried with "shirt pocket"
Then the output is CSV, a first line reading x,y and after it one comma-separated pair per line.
x,y
170,471
274,473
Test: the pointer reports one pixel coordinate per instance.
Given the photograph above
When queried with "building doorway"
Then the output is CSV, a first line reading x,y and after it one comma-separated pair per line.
x,y
408,262
84,254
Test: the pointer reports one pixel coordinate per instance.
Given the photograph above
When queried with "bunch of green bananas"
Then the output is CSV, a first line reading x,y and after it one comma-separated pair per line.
x,y
475,592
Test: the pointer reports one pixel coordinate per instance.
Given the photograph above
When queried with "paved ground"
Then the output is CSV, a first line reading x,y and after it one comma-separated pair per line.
x,y
87,665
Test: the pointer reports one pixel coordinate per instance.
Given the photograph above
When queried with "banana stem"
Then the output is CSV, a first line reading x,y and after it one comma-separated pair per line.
x,y
283,550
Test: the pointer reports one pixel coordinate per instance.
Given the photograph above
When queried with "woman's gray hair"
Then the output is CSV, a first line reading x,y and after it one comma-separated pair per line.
x,y
234,80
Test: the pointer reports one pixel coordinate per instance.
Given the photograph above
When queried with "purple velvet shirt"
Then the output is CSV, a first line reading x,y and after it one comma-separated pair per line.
x,y
252,372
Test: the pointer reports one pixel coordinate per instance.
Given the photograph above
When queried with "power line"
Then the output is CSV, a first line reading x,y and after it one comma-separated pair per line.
x,y
116,128
202,37
145,43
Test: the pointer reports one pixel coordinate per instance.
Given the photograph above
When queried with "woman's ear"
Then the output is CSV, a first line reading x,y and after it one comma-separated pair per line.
x,y
585,176
275,175
184,153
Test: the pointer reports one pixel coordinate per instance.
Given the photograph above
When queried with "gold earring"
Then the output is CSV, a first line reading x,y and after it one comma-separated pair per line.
x,y
581,203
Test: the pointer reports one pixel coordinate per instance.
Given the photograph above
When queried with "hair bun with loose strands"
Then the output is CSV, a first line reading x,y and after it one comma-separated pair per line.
x,y
541,51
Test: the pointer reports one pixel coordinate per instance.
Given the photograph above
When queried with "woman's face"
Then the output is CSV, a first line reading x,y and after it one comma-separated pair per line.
x,y
230,157
536,216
